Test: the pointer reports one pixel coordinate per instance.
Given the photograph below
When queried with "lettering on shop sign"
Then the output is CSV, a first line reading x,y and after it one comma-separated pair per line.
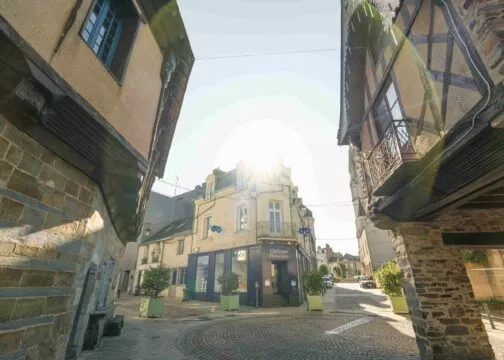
x,y
279,254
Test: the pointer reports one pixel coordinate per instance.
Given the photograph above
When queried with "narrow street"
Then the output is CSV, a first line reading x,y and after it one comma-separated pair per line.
x,y
359,323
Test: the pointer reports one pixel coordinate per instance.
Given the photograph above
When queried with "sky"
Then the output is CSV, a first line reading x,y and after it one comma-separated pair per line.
x,y
284,104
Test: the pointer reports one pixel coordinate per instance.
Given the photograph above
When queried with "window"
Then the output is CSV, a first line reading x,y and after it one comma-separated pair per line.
x,y
174,277
219,271
182,276
241,180
207,229
109,30
274,216
239,266
180,247
242,218
202,273
387,109
210,190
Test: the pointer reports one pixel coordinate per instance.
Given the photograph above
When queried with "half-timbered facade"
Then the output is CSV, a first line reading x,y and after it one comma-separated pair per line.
x,y
422,110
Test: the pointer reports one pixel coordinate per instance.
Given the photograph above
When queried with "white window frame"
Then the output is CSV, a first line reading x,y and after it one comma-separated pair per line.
x,y
207,227
279,227
180,241
239,227
210,190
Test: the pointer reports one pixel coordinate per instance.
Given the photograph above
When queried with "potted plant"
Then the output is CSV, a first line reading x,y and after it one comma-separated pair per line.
x,y
390,279
155,280
314,288
228,299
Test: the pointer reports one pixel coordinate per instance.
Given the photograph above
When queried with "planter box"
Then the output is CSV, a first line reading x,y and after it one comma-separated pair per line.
x,y
399,304
315,302
230,302
152,308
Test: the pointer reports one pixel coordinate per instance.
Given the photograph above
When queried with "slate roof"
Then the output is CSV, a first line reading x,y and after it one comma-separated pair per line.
x,y
172,229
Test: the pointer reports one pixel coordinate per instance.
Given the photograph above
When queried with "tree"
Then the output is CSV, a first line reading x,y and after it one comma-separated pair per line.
x,y
343,270
337,271
218,172
323,269
155,280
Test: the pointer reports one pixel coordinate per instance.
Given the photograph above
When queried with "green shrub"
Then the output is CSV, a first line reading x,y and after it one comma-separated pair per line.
x,y
474,256
390,278
229,283
312,281
155,280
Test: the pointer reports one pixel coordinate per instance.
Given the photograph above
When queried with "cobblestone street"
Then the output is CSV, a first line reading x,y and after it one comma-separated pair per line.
x,y
359,323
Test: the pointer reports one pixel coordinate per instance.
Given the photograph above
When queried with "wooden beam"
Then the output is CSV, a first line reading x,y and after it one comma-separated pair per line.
x,y
447,76
460,81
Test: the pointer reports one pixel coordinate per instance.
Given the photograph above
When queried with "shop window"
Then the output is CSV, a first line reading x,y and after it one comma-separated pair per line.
x,y
202,273
239,266
219,271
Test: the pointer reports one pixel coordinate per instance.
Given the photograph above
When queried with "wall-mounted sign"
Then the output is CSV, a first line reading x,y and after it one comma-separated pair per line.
x,y
267,283
241,255
278,253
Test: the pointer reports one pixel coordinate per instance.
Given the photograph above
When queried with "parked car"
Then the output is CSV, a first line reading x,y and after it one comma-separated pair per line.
x,y
327,281
367,282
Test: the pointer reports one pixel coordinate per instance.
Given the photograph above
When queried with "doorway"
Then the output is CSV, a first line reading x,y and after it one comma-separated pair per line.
x,y
279,276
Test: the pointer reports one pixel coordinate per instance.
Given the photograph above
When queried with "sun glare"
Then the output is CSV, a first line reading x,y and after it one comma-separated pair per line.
x,y
260,144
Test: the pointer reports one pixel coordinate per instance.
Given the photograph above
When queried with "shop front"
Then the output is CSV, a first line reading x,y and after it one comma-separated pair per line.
x,y
269,275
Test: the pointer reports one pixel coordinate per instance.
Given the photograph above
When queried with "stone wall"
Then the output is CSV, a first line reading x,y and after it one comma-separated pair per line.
x,y
53,228
445,315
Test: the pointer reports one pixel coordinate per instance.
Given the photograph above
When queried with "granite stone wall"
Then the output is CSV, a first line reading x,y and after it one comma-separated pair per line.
x,y
54,227
445,315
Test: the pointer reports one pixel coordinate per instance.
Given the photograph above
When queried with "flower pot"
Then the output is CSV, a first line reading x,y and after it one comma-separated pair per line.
x,y
315,302
230,302
399,304
152,308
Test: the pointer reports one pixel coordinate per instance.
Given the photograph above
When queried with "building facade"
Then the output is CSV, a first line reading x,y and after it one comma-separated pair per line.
x,y
252,224
422,114
90,93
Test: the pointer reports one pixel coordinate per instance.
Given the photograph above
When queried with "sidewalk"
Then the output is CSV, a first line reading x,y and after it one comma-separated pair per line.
x,y
175,309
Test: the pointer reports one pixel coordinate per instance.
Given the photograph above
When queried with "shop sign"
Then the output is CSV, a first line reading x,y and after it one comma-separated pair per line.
x,y
241,255
279,253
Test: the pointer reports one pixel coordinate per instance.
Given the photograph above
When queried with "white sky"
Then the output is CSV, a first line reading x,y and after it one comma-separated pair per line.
x,y
286,105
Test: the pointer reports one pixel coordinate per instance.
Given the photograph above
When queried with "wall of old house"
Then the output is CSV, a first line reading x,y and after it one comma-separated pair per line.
x,y
54,229
41,23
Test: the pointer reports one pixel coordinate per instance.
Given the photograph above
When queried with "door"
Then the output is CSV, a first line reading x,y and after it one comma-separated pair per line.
x,y
274,216
279,277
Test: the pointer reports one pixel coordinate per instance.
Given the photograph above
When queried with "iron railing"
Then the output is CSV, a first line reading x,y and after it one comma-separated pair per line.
x,y
275,229
395,148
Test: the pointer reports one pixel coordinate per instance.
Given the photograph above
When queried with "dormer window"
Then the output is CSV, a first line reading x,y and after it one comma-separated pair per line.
x,y
210,190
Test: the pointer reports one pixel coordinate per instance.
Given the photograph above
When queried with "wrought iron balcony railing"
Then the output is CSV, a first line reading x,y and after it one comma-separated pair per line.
x,y
275,229
396,148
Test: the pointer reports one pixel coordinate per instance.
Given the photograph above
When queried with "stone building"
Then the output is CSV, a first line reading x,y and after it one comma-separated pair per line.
x,y
90,93
422,89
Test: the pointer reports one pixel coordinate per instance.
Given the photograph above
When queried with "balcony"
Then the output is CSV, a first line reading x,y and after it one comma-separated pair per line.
x,y
390,161
275,230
